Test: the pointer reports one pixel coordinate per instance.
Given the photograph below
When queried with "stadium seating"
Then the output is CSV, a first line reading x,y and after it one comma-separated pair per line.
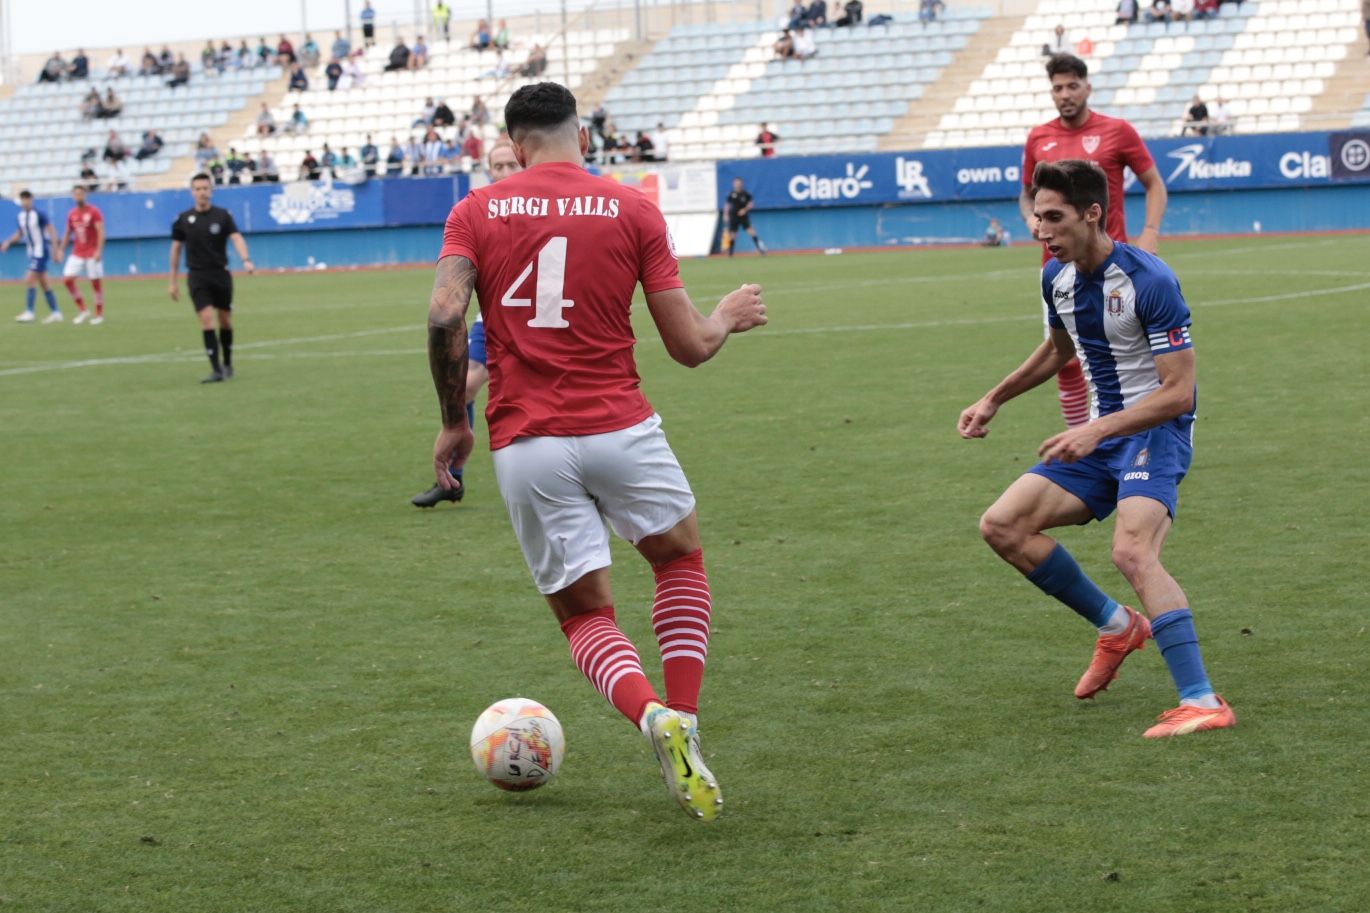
x,y
42,133
386,105
713,84
1267,59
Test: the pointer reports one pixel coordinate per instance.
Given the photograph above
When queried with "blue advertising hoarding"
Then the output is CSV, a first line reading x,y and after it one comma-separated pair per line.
x,y
943,175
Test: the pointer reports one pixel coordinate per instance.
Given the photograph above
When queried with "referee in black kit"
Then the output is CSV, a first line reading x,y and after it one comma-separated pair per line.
x,y
205,230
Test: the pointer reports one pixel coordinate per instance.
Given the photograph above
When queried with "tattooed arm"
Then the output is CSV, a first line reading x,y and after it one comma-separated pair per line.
x,y
447,358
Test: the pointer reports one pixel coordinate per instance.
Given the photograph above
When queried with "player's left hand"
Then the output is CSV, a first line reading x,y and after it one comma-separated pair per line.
x,y
249,267
450,451
1150,241
1071,445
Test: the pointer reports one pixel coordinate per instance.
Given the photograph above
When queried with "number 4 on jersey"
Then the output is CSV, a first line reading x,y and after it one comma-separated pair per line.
x,y
551,282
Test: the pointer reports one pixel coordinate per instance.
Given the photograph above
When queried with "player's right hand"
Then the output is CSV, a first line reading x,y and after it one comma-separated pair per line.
x,y
173,291
975,419
743,308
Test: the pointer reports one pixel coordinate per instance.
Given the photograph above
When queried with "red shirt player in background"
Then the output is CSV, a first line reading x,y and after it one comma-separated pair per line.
x,y
555,254
86,231
1112,144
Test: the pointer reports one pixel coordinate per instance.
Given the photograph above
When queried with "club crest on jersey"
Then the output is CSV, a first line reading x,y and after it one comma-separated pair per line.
x,y
1115,303
1143,457
1090,144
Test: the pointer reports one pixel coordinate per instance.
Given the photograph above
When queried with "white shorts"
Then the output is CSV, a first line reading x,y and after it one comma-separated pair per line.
x,y
90,267
560,490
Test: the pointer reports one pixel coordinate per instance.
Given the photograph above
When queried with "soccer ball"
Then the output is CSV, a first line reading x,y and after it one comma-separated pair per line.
x,y
517,744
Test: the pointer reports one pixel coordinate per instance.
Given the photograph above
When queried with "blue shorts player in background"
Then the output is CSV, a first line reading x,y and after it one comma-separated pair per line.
x,y
1119,309
40,240
501,163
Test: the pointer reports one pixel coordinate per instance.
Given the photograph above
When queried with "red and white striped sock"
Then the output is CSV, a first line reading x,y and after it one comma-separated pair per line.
x,y
610,661
680,617
1074,393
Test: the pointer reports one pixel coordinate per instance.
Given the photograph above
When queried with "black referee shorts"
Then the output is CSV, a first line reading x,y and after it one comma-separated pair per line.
x,y
211,288
739,223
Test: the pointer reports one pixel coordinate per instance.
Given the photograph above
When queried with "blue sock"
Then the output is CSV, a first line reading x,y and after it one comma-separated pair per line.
x,y
32,296
1061,577
1174,634
51,297
470,420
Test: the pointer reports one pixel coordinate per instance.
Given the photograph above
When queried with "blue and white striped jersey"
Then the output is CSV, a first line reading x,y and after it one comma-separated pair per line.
x,y
33,228
1120,318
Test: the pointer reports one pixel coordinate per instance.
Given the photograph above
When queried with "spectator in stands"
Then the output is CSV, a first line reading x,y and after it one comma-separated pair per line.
x,y
334,72
1127,12
1181,10
472,147
309,167
481,38
345,166
371,157
1219,119
266,121
443,116
235,165
480,115
799,14
118,66
298,122
643,150
660,143
243,58
111,106
994,234
79,68
1159,12
285,52
536,63
205,152
442,20
929,10
425,118
804,46
598,118
1196,118
298,81
355,76
501,39
784,45
53,69
309,53
89,179
328,160
166,61
148,65
433,152
151,145
180,72
1060,43
852,12
418,55
264,52
209,58
368,18
342,48
394,159
1207,9
766,140
115,150
413,156
399,57
267,172
90,105
818,14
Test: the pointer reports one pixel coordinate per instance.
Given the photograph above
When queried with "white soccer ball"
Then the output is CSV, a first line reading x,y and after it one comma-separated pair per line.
x,y
517,744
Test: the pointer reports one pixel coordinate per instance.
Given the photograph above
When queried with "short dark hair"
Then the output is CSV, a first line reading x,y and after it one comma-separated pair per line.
x,y
1067,63
25,195
78,186
541,106
201,177
1081,183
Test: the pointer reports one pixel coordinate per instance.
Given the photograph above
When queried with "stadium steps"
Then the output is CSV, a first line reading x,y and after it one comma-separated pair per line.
x,y
229,134
1342,94
925,113
596,84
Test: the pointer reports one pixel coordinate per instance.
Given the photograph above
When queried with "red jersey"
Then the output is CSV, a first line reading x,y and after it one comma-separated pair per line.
x,y
1109,142
558,253
81,229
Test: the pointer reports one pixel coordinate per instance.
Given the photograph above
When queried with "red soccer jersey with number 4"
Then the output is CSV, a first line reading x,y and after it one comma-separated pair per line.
x,y
558,253
1109,142
81,228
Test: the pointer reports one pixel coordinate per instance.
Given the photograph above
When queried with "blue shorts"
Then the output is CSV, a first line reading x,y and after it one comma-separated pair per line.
x,y
1150,464
38,264
475,342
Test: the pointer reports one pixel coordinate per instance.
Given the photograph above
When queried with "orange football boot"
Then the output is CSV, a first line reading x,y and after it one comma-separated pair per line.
x,y
1109,652
1187,718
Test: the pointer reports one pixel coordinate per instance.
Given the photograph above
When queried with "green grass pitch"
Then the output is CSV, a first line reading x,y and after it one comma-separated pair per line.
x,y
238,670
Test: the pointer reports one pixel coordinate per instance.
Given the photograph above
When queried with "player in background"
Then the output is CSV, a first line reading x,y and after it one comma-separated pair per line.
x,y
40,240
556,254
1118,309
737,216
86,231
205,230
501,163
1112,144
